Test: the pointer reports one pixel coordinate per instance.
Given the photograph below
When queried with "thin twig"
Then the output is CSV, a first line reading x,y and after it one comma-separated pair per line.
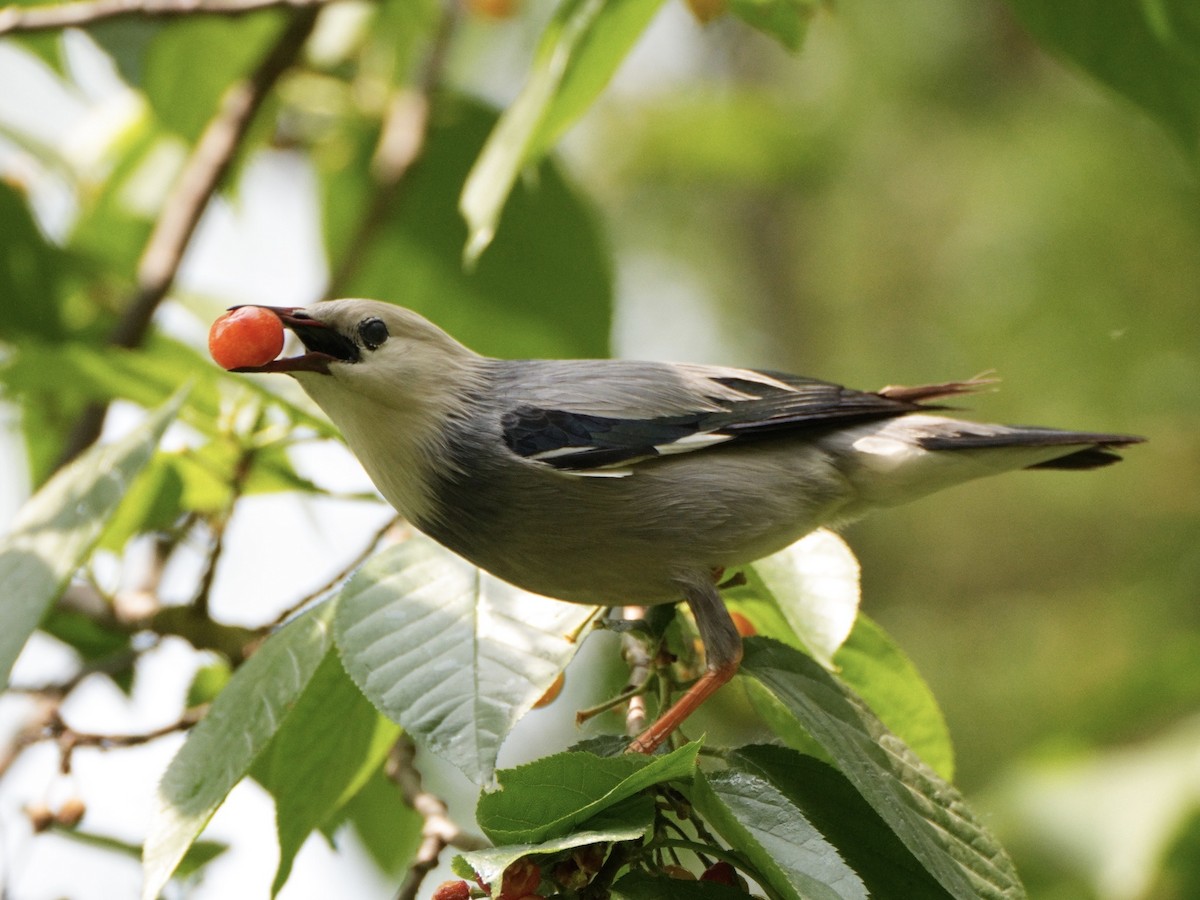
x,y
237,484
401,142
640,662
197,183
439,830
69,740
55,16
336,579
34,729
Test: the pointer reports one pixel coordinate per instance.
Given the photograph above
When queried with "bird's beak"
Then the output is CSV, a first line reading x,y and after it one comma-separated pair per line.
x,y
324,344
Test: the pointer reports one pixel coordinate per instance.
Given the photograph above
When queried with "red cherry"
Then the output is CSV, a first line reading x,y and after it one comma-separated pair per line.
x,y
721,873
247,336
520,879
452,890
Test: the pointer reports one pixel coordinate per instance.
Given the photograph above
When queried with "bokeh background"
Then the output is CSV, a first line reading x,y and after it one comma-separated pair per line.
x,y
920,194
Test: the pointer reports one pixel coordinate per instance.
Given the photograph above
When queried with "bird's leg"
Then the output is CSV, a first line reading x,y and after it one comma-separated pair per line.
x,y
722,656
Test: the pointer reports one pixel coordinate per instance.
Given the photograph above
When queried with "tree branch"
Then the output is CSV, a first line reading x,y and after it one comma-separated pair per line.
x,y
439,830
69,739
195,186
401,143
55,16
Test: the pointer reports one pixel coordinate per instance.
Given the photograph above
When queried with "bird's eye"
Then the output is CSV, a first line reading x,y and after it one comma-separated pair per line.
x,y
373,332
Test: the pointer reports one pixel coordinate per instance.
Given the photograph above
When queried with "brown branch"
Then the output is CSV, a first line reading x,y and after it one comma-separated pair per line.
x,y
197,183
56,16
401,143
70,740
439,830
35,729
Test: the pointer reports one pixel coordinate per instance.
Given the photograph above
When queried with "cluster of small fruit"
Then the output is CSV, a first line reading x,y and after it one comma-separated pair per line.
x,y
68,814
524,878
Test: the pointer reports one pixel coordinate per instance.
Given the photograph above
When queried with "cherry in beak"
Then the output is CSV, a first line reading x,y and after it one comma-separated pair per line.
x,y
323,343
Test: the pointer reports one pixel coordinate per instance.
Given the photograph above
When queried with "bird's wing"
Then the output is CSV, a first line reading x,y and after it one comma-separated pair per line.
x,y
600,420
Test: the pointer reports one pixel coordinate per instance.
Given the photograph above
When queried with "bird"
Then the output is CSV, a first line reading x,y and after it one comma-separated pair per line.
x,y
616,482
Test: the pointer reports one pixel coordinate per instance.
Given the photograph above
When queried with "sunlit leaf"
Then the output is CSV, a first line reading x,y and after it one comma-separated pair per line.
x,y
489,865
544,288
830,802
146,376
579,52
221,748
875,667
764,824
153,503
330,743
549,796
784,20
57,528
808,596
450,652
814,584
930,816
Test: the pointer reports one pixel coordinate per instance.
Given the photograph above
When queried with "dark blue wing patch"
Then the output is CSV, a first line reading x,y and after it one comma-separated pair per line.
x,y
570,440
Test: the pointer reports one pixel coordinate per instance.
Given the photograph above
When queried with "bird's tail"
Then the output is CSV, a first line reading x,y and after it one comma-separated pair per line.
x,y
1081,449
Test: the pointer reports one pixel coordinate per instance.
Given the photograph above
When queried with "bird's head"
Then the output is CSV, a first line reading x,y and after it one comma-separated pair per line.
x,y
375,350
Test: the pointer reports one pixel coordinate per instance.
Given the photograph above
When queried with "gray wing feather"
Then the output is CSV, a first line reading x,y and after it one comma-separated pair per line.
x,y
580,416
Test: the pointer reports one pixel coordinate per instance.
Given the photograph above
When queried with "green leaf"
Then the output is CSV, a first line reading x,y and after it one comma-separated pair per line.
x,y
199,855
207,683
31,272
1147,51
188,66
644,886
146,376
330,743
222,747
1179,868
88,637
814,584
153,503
544,289
57,528
453,654
929,816
580,50
877,669
389,828
785,20
773,833
838,811
869,661
548,797
488,865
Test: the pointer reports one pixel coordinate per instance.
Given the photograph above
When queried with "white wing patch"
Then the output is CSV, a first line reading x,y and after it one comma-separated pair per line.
x,y
693,442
